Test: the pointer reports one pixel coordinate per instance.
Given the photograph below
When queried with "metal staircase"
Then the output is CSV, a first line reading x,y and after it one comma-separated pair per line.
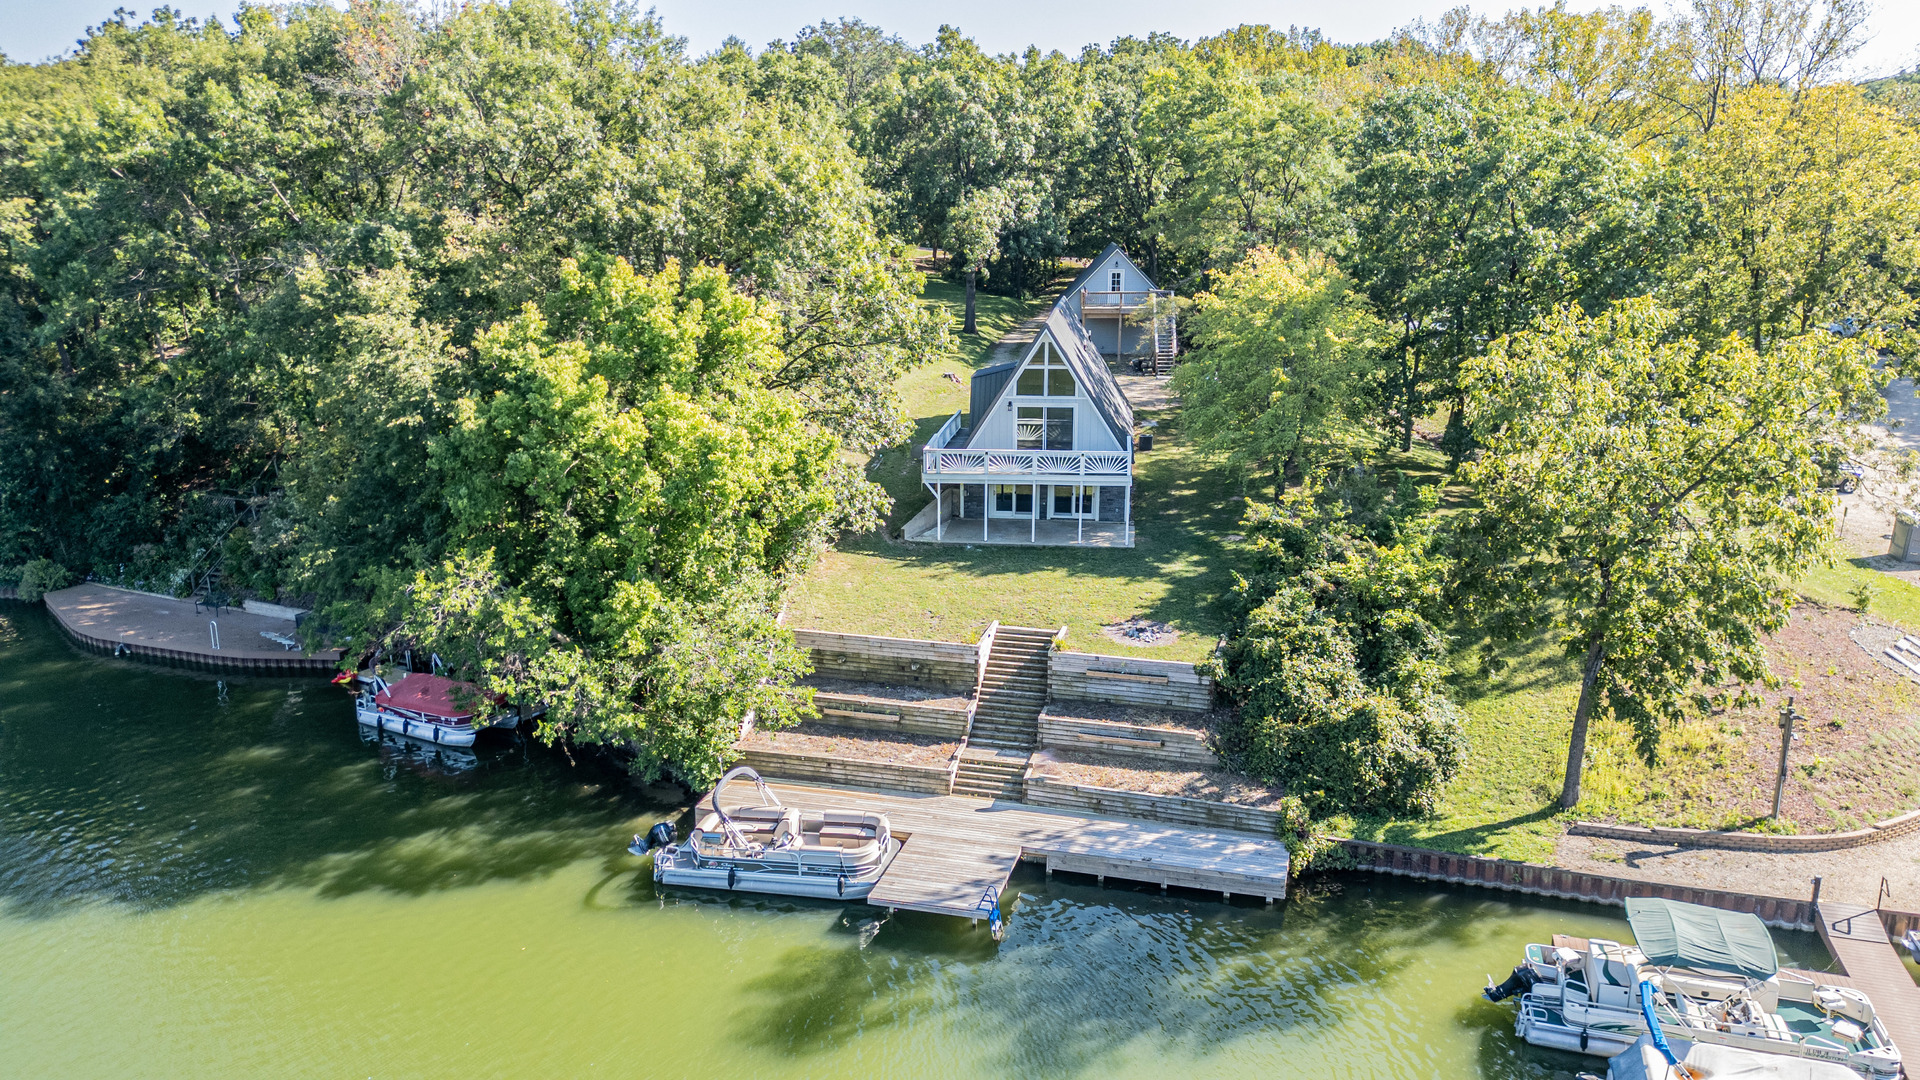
x,y
1013,688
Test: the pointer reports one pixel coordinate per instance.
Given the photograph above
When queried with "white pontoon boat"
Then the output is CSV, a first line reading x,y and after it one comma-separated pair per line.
x,y
1715,979
426,707
1697,1061
770,848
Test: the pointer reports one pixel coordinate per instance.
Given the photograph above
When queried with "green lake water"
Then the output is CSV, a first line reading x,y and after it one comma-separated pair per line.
x,y
207,878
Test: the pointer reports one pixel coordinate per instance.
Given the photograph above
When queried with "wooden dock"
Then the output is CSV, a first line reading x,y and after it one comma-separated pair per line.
x,y
1856,938
958,848
123,622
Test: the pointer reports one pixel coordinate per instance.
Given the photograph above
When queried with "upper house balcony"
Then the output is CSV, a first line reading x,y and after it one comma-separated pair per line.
x,y
1098,304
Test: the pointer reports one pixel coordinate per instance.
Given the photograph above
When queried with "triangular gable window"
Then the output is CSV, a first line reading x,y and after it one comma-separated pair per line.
x,y
1046,373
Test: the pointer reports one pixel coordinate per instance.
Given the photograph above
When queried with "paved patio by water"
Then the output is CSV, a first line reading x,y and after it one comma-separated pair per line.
x,y
147,624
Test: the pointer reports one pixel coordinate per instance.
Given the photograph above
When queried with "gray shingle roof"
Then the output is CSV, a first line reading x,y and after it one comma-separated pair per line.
x,y
1083,358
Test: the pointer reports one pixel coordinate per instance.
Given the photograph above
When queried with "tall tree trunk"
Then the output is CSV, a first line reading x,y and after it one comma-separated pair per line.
x,y
1577,746
970,327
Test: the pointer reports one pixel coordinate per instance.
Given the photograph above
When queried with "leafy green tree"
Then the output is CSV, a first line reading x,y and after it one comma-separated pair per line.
x,y
1650,500
1279,383
1808,209
626,494
1476,214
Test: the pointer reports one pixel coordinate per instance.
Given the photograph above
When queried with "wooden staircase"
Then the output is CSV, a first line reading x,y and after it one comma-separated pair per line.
x,y
1166,340
993,763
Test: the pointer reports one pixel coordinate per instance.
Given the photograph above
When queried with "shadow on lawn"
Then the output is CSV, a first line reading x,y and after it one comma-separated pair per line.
x,y
1475,840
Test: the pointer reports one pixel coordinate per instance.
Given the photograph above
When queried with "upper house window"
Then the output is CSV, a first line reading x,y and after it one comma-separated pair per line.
x,y
1115,279
1046,375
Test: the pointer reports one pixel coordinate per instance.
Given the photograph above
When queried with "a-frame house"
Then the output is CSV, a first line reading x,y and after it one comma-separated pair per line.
x,y
1044,453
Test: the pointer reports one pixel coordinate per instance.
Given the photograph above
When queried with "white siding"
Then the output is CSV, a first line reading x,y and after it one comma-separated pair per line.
x,y
1131,279
995,431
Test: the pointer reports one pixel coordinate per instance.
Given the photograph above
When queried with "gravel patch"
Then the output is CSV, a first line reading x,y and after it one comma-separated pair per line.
x,y
852,744
1877,639
1097,770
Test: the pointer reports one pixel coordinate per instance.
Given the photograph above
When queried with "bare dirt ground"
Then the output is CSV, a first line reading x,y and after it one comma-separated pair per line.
x,y
919,695
1101,771
1855,758
853,744
1853,875
1135,714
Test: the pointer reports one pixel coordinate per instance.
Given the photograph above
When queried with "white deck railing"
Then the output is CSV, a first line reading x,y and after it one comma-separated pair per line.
x,y
950,464
946,432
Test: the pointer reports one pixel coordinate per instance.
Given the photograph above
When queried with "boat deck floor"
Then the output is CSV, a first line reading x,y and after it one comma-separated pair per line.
x,y
957,848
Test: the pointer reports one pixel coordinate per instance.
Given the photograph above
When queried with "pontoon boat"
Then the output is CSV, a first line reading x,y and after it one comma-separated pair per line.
x,y
1717,980
426,707
770,848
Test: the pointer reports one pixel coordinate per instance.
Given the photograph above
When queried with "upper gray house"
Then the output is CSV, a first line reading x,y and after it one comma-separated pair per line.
x,y
1044,452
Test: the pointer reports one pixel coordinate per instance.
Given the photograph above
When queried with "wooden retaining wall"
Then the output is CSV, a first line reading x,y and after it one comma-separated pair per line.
x,y
1126,680
884,714
852,773
1538,880
867,658
1739,841
1043,790
1170,748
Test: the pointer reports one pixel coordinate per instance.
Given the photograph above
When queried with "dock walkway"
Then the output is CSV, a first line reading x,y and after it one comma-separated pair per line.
x,y
1857,939
145,624
957,848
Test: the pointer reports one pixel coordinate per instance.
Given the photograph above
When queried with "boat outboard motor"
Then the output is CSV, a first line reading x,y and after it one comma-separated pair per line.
x,y
1519,982
660,836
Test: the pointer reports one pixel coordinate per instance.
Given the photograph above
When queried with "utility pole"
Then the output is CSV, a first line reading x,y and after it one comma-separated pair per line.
x,y
1787,717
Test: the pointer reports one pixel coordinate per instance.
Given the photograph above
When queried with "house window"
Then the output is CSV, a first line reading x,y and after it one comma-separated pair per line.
x,y
1115,278
1075,501
1029,428
1059,382
1046,375
1013,498
1060,429
1033,382
1036,428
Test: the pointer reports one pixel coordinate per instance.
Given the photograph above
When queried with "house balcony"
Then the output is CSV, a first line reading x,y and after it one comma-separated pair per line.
x,y
1036,466
1109,304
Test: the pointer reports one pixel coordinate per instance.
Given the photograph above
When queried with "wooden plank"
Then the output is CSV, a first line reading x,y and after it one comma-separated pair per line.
x,y
888,718
1856,938
1117,740
1097,673
933,876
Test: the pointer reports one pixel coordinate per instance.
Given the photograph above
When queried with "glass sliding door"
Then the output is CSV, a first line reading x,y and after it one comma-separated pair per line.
x,y
1074,501
1013,500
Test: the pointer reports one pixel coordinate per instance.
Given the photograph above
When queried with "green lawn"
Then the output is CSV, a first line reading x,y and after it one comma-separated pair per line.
x,y
1893,599
1176,572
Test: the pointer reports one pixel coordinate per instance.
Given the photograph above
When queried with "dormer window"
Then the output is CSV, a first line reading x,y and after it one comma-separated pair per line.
x,y
1046,375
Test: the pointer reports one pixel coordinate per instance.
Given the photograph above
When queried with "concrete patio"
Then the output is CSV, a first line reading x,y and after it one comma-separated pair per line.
x,y
1019,532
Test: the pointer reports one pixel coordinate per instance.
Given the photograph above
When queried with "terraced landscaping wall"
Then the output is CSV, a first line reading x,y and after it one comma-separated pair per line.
x,y
1170,748
882,714
1126,680
868,658
1175,810
848,772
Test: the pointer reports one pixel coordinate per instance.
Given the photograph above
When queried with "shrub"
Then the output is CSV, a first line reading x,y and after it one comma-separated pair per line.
x,y
40,577
1309,721
1334,663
